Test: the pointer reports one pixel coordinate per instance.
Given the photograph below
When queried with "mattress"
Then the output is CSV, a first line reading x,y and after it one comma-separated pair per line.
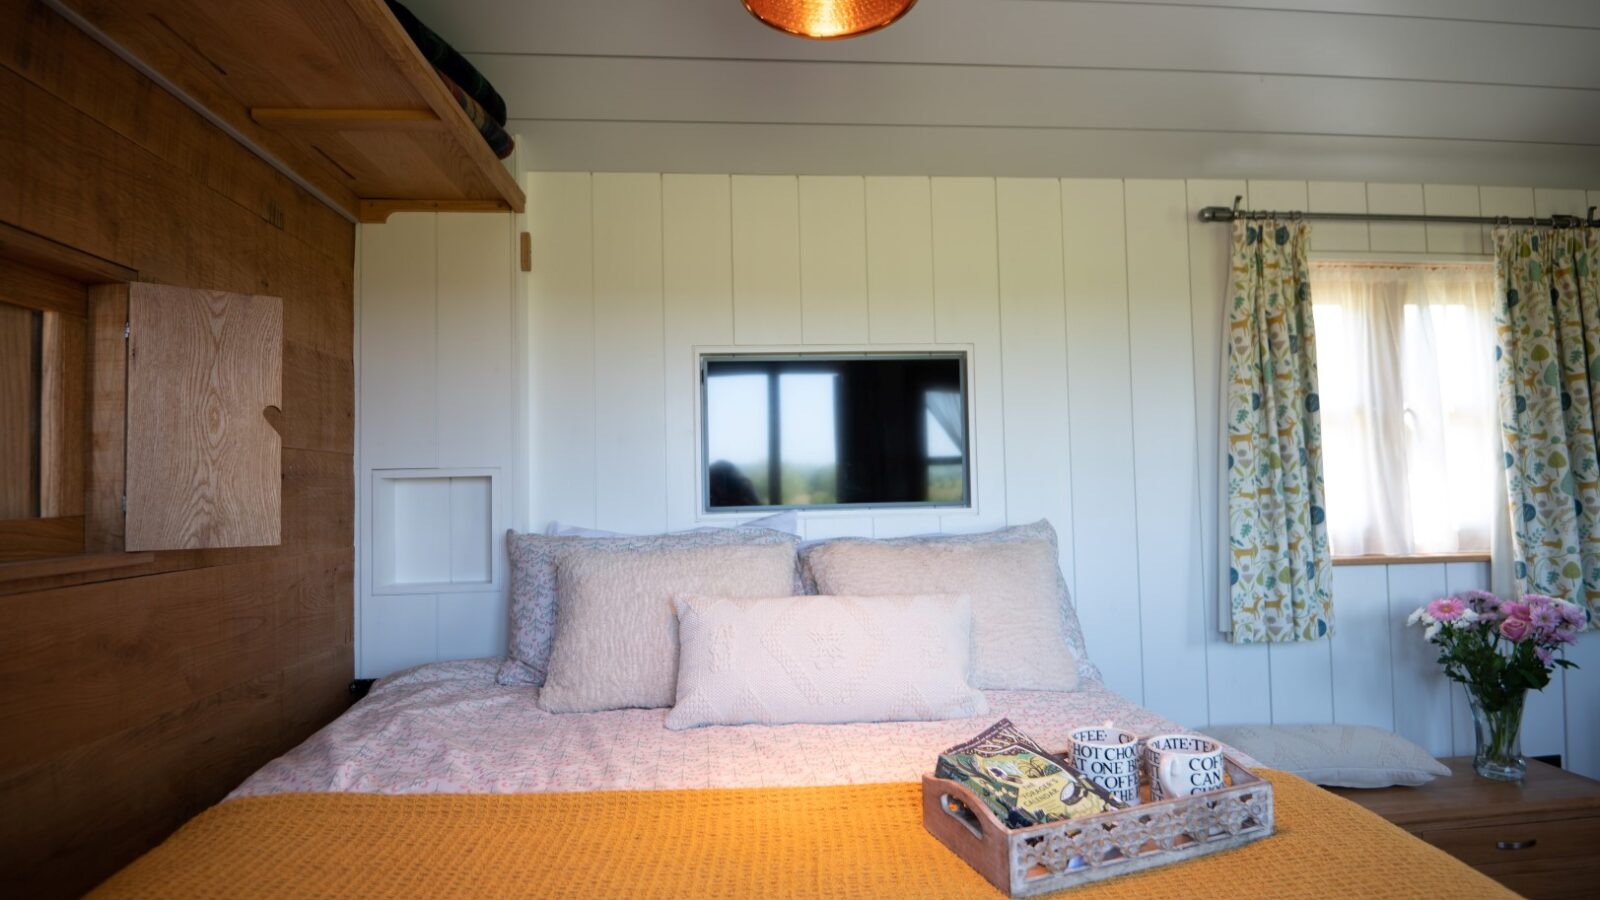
x,y
448,728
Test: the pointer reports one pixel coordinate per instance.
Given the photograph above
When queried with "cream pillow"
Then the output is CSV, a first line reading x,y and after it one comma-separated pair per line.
x,y
824,660
1018,640
1353,756
616,641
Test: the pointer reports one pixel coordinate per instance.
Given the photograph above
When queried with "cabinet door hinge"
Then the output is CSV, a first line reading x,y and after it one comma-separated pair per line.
x,y
127,330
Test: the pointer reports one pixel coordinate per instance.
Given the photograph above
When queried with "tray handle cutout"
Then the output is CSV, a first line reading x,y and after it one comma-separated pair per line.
x,y
957,810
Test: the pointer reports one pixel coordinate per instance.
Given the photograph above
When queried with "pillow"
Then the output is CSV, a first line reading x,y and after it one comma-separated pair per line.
x,y
1353,756
1017,636
533,584
787,521
1038,531
616,641
824,660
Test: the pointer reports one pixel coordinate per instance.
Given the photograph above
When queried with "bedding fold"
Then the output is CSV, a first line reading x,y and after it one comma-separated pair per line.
x,y
841,841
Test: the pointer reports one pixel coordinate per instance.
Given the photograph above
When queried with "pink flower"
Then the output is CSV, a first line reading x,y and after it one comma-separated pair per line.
x,y
1564,635
1515,629
1516,611
1545,654
1538,601
1571,614
1446,609
1545,617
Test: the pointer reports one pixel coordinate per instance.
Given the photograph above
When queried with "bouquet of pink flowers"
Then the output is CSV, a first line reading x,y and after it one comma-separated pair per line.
x,y
1500,648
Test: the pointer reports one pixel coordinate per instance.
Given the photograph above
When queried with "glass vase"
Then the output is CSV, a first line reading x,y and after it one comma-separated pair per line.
x,y
1499,738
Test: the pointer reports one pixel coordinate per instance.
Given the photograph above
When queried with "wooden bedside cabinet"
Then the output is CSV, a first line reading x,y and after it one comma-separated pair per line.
x,y
1541,838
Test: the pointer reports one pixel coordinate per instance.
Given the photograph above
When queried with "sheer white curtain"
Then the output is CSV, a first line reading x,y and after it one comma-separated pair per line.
x,y
1410,434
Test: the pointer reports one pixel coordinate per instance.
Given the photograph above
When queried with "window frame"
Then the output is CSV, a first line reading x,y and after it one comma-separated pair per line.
x,y
704,358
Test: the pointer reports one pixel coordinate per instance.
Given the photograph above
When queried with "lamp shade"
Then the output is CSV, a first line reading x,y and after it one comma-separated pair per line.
x,y
828,19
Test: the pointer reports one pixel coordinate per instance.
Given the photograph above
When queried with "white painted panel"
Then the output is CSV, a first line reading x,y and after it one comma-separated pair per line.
x,y
1460,577
899,260
833,259
966,308
1397,237
1276,195
1421,692
398,277
766,260
1556,202
1105,534
471,625
473,390
1238,682
630,419
1505,201
1583,706
1363,684
561,349
898,525
1452,200
418,511
471,528
1033,348
1171,575
823,527
697,296
398,631
1338,197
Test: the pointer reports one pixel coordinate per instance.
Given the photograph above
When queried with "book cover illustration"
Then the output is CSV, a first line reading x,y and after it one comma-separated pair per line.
x,y
1022,783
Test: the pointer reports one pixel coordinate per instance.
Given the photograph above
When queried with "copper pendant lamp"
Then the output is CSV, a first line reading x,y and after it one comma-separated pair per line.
x,y
826,20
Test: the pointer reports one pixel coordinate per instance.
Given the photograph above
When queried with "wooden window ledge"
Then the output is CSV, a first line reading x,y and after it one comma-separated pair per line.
x,y
1377,559
27,570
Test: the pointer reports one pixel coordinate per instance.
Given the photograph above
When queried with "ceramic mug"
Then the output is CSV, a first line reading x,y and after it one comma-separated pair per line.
x,y
1178,765
1110,758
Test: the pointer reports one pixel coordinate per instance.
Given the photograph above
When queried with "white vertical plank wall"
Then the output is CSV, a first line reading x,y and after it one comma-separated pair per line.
x,y
1092,309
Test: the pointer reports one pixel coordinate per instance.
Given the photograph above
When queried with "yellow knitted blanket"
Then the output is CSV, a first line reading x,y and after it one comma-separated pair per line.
x,y
836,842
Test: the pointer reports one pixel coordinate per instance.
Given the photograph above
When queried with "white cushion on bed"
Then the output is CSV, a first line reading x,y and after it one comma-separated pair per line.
x,y
616,641
1353,756
824,660
1018,637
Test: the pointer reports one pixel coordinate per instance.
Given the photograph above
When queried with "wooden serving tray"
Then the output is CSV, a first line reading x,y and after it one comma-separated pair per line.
x,y
1026,861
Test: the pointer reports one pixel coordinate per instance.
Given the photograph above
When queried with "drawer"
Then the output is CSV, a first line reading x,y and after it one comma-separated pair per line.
x,y
1488,845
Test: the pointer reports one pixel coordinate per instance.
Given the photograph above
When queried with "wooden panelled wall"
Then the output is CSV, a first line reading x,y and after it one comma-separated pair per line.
x,y
1093,309
131,699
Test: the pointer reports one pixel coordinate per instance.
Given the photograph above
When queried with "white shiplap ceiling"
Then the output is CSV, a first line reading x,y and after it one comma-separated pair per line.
x,y
1437,90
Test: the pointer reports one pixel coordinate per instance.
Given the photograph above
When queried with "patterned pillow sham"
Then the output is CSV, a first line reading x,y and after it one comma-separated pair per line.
x,y
534,558
1072,630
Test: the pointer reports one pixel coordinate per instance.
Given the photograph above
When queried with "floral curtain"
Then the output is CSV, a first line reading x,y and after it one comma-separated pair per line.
x,y
1547,323
1279,567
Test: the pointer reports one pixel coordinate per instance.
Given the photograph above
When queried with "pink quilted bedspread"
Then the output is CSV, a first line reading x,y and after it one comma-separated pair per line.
x,y
448,728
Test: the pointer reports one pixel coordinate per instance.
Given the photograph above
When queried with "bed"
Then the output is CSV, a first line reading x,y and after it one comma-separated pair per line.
x,y
442,783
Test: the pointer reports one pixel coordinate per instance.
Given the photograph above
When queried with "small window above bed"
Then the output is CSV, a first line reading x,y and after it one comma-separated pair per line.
x,y
834,430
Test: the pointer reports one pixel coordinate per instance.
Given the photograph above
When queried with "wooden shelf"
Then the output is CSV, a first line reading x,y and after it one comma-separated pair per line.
x,y
333,89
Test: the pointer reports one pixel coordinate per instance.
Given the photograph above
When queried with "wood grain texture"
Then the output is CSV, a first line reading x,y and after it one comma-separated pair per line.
x,y
63,401
203,462
36,538
170,675
107,413
19,413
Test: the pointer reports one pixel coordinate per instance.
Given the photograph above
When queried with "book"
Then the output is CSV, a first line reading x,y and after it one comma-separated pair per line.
x,y
1022,783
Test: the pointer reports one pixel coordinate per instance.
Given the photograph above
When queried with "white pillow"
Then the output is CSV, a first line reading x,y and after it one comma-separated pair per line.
x,y
1353,756
824,660
787,521
616,640
1018,639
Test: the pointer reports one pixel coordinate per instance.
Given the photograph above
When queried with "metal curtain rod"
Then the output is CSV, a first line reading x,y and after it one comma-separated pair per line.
x,y
1229,214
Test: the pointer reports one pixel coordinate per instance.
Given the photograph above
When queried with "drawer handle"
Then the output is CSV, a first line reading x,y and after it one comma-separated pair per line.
x,y
1516,845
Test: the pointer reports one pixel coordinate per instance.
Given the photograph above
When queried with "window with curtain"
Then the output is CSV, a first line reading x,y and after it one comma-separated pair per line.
x,y
1410,438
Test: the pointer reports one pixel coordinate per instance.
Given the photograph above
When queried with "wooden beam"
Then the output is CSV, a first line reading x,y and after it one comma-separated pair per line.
x,y
23,246
347,119
108,419
376,212
36,538
71,565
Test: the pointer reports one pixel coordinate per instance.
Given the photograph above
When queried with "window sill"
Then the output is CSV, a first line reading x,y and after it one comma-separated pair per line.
x,y
1409,559
13,573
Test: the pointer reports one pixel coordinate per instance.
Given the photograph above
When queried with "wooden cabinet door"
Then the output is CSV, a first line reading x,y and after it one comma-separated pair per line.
x,y
204,466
